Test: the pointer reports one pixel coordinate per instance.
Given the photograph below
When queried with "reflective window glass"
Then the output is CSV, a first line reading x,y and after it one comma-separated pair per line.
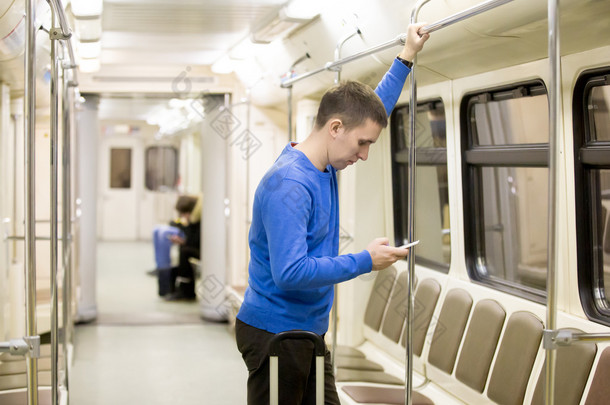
x,y
120,168
512,121
600,115
431,194
514,225
161,168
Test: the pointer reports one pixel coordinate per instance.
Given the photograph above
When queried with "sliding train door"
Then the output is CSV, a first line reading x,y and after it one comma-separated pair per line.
x,y
120,177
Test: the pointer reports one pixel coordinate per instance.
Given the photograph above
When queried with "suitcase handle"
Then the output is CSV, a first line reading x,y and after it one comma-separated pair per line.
x,y
319,346
319,349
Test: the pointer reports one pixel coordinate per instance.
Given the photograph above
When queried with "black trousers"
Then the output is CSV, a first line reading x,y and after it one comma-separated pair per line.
x,y
184,271
296,369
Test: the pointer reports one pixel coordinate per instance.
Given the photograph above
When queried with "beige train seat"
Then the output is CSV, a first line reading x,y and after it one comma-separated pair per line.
x,y
383,395
393,321
396,313
425,299
480,344
375,308
450,329
515,359
448,334
599,391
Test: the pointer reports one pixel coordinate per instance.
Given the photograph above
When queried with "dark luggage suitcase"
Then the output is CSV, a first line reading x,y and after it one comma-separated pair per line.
x,y
274,348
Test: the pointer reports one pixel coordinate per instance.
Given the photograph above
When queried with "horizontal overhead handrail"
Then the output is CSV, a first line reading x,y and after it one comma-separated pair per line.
x,y
332,66
463,15
400,39
288,83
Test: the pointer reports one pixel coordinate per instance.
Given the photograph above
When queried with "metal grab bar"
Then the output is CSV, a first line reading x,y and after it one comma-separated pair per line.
x,y
16,347
67,103
54,173
58,8
335,309
332,66
555,96
289,73
13,237
401,38
338,49
567,337
26,346
412,178
463,15
72,65
29,117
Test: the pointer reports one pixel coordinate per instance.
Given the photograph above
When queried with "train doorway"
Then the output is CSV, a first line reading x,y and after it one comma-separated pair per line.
x,y
120,173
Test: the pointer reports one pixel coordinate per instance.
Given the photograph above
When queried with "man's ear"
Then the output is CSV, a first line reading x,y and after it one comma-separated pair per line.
x,y
335,127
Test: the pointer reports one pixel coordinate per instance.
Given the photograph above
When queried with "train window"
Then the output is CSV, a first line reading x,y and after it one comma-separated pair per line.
x,y
592,181
507,121
599,103
505,166
514,224
120,168
431,196
161,172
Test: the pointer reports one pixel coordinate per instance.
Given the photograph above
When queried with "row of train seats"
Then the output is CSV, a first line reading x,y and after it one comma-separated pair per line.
x,y
13,378
470,345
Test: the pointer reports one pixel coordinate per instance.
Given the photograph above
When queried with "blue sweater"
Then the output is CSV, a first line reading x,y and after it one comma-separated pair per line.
x,y
294,238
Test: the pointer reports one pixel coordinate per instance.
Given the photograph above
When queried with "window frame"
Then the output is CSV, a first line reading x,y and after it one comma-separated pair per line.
x,y
424,157
590,156
474,159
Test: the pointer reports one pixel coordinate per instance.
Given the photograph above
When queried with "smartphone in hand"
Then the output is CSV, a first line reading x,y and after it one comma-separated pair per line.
x,y
408,245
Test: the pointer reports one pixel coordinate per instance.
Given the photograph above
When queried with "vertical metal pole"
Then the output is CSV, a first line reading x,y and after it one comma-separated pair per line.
x,y
411,221
66,227
554,125
54,213
13,189
335,307
290,109
29,115
336,287
410,236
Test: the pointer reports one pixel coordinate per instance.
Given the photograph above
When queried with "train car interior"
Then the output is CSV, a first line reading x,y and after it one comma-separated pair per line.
x,y
496,158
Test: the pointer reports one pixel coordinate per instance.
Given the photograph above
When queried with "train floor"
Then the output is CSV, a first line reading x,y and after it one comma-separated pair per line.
x,y
143,350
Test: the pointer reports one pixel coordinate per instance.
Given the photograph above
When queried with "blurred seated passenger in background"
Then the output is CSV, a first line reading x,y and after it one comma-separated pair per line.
x,y
183,276
166,235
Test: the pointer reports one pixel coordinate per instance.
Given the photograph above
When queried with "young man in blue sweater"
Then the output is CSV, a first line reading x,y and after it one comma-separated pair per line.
x,y
294,236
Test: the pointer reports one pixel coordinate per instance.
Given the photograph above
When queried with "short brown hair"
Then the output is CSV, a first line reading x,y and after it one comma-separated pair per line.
x,y
185,204
353,103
